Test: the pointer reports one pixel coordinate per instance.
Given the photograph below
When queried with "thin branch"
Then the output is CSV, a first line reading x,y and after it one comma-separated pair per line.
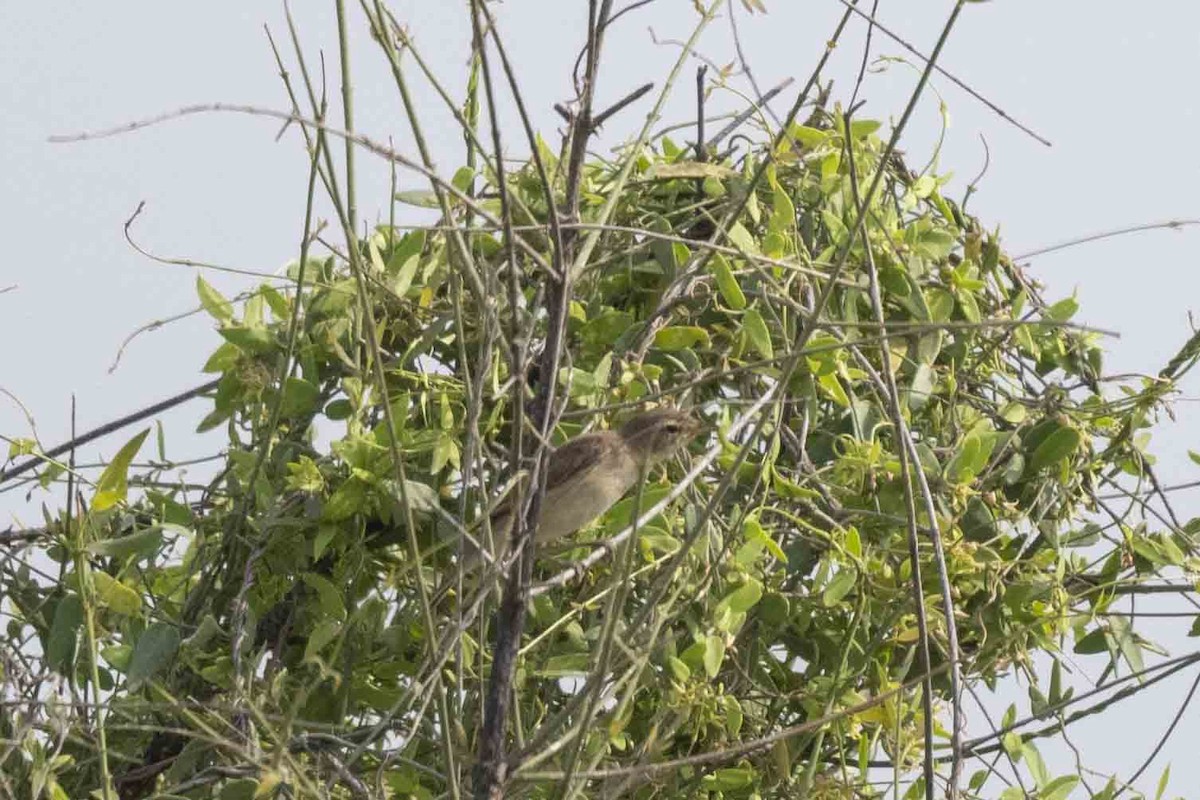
x,y
953,79
107,428
363,141
742,116
905,457
1171,224
607,114
1187,701
183,262
492,767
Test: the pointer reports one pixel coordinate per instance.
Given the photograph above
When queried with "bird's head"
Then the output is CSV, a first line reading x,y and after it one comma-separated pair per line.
x,y
657,435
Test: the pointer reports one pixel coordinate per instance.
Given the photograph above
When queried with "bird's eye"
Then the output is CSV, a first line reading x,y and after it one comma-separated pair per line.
x,y
673,427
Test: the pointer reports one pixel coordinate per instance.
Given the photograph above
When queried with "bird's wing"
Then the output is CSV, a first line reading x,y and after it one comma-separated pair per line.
x,y
566,463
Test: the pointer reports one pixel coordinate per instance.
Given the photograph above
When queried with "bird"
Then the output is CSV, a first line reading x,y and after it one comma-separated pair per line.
x,y
590,473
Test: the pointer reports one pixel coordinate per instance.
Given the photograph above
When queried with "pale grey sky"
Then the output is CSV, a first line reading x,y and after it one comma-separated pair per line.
x,y
1112,85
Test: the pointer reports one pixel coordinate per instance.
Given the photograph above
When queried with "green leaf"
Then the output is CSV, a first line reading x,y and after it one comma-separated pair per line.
x,y
60,644
22,447
742,240
339,409
689,169
276,301
401,283
680,670
327,594
1011,742
729,779
839,587
1037,767
940,304
936,244
808,137
895,281
153,653
566,665
445,451
969,306
1014,413
323,633
1057,446
222,359
1010,716
734,715
118,656
464,175
862,128
1059,789
239,789
213,301
923,186
604,329
679,337
775,245
1094,642
115,595
743,598
962,467
620,516
255,341
300,398
144,543
422,498
783,211
346,501
113,485
833,387
252,311
760,336
422,198
667,257
1063,310
1163,780
1122,633
1056,695
921,387
714,654
304,476
727,284
978,778
411,244
207,631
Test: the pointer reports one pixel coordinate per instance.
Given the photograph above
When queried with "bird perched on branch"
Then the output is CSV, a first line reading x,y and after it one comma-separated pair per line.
x,y
590,473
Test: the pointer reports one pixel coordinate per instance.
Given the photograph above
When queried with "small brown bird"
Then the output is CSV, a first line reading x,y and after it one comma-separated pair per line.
x,y
590,473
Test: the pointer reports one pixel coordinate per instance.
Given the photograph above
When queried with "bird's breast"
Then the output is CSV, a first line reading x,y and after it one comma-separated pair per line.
x,y
580,500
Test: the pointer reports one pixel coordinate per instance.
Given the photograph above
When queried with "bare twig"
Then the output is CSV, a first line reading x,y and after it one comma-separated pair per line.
x,y
606,114
849,4
366,142
742,116
107,428
1171,224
